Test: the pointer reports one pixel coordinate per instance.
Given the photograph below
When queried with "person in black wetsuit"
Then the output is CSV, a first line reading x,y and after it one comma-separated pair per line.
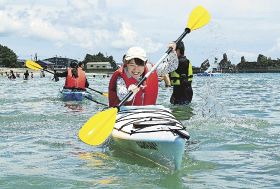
x,y
181,78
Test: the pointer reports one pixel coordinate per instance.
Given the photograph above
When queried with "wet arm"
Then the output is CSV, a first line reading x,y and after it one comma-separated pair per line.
x,y
169,64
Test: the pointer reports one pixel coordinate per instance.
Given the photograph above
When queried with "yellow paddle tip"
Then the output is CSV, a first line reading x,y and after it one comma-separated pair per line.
x,y
99,127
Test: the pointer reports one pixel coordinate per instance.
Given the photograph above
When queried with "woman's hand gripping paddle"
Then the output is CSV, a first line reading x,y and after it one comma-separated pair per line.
x,y
99,127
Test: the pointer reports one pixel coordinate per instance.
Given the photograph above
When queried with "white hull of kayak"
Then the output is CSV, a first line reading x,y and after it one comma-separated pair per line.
x,y
148,131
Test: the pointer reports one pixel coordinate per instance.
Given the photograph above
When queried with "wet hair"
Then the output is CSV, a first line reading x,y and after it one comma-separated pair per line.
x,y
74,71
73,64
181,47
80,63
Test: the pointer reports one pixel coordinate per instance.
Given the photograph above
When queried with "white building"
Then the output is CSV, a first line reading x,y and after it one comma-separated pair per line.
x,y
99,66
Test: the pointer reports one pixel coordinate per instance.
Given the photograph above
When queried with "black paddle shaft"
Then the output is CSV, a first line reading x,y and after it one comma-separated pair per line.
x,y
95,90
186,31
48,71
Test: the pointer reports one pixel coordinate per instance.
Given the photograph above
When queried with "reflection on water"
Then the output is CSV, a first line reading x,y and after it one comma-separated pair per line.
x,y
74,106
94,159
130,157
182,112
171,180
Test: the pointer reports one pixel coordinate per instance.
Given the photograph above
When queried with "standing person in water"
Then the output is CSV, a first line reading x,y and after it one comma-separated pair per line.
x,y
26,75
55,77
181,78
12,75
135,67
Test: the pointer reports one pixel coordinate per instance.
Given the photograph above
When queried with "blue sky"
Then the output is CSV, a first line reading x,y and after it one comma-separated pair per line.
x,y
73,28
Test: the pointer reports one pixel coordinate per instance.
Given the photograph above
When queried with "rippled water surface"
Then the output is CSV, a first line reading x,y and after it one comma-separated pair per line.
x,y
234,123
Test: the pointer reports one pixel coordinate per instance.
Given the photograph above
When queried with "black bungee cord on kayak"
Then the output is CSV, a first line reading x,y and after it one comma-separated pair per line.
x,y
170,120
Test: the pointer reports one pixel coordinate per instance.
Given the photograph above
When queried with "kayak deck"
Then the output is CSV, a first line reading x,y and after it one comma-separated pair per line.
x,y
151,132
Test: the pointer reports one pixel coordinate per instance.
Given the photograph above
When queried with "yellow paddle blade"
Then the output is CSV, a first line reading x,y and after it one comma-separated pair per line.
x,y
105,94
98,128
198,18
33,65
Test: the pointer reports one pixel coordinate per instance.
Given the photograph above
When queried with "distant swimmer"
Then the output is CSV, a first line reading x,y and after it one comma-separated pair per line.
x,y
42,74
26,75
55,78
12,75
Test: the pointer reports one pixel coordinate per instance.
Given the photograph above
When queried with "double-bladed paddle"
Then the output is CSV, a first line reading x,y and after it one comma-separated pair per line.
x,y
99,127
102,93
35,66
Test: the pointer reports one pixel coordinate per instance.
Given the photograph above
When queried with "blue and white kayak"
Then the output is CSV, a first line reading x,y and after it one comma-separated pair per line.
x,y
74,95
151,132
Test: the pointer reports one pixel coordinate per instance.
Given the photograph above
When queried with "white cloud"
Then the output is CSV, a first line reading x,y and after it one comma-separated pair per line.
x,y
274,51
240,27
45,30
126,36
8,24
235,56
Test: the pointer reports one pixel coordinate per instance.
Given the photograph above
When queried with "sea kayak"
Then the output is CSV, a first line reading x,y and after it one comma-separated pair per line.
x,y
151,132
74,95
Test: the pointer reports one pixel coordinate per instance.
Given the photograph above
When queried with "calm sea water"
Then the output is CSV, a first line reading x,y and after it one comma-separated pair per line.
x,y
234,123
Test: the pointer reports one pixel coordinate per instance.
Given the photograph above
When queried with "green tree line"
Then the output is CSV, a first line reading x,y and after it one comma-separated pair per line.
x,y
8,58
262,62
100,58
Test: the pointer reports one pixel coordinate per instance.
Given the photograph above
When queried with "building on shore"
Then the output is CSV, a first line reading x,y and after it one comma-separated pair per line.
x,y
59,63
99,67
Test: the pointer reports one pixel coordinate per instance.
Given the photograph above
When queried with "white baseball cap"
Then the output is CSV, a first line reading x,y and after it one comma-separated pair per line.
x,y
136,52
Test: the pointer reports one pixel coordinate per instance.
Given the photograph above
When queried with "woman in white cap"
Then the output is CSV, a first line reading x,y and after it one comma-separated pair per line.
x,y
135,67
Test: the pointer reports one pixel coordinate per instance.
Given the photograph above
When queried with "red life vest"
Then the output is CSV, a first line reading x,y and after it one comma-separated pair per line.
x,y
75,83
147,95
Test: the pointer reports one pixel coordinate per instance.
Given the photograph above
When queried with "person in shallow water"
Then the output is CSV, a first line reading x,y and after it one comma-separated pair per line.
x,y
12,75
75,77
181,79
26,75
134,68
55,77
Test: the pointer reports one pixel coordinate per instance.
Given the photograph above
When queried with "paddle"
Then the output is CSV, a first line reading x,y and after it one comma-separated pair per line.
x,y
99,127
104,94
35,66
91,99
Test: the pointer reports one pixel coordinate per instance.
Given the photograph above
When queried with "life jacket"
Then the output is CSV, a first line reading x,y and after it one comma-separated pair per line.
x,y
75,83
147,95
183,72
